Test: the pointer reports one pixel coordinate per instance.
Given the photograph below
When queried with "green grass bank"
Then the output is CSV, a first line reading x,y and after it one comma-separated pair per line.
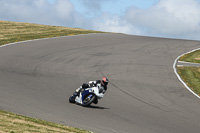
x,y
193,57
191,76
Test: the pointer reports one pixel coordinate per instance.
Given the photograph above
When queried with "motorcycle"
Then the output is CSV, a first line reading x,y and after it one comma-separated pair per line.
x,y
87,97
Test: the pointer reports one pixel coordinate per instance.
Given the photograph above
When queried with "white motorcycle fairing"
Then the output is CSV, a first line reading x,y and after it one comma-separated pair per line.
x,y
93,90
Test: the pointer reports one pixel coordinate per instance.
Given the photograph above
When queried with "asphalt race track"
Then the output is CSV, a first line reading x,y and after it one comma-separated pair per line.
x,y
144,94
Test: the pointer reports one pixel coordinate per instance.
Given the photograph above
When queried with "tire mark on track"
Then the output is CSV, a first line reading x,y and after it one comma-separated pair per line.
x,y
154,106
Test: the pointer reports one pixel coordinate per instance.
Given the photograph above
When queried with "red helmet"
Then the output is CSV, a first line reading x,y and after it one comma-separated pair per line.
x,y
104,81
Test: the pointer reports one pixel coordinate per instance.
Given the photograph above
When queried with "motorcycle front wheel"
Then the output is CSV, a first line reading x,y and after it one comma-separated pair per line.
x,y
72,99
88,100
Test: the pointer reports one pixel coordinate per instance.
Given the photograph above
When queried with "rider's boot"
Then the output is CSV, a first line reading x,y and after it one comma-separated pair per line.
x,y
75,94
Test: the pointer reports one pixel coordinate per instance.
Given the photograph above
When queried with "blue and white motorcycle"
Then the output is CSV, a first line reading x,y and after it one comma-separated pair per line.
x,y
87,96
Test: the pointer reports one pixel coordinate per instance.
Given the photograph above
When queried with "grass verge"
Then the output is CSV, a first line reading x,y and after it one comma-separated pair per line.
x,y
191,57
191,76
14,32
13,123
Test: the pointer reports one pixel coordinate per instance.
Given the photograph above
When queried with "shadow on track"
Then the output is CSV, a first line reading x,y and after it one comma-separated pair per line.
x,y
96,107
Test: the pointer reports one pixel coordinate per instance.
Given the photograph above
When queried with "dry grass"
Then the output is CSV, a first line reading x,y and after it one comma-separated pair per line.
x,y
16,31
13,123
197,58
198,69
